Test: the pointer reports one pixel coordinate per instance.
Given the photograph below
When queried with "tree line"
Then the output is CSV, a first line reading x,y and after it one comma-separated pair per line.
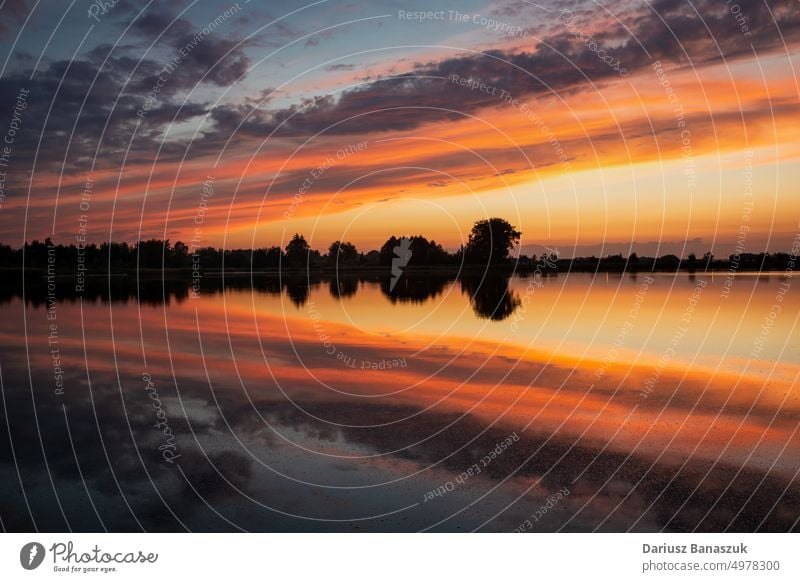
x,y
490,242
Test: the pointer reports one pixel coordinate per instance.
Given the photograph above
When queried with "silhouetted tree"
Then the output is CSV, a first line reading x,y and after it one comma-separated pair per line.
x,y
490,241
8,256
342,253
267,258
387,250
371,259
667,262
707,259
423,251
297,251
150,253
179,257
691,262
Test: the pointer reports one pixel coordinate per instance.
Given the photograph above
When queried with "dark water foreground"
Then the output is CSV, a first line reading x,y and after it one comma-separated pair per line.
x,y
444,405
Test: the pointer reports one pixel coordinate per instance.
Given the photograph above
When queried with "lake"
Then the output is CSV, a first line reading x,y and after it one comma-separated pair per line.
x,y
565,402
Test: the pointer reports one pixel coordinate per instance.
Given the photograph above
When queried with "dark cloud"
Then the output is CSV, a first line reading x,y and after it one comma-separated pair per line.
x,y
96,107
262,99
205,53
514,8
340,67
161,22
96,110
104,101
505,172
558,65
12,14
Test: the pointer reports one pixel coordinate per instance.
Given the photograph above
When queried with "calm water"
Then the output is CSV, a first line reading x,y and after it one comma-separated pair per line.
x,y
570,402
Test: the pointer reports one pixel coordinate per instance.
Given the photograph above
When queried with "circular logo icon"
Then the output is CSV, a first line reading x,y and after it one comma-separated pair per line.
x,y
31,555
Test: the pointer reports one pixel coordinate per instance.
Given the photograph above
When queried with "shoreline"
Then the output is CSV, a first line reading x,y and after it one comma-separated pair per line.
x,y
382,271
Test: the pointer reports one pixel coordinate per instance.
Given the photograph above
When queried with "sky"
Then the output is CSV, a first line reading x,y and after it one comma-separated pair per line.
x,y
651,126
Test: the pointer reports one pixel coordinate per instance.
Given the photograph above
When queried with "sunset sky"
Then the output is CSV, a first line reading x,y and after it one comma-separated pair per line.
x,y
350,121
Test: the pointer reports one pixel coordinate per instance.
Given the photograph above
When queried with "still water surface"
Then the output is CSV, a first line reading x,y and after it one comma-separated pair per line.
x,y
568,402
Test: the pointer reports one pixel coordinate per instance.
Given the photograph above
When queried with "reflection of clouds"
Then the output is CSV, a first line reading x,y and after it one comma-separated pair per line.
x,y
355,460
552,463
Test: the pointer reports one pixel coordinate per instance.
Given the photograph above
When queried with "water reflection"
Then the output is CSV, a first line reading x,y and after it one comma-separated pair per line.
x,y
410,289
347,421
342,286
297,288
490,296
